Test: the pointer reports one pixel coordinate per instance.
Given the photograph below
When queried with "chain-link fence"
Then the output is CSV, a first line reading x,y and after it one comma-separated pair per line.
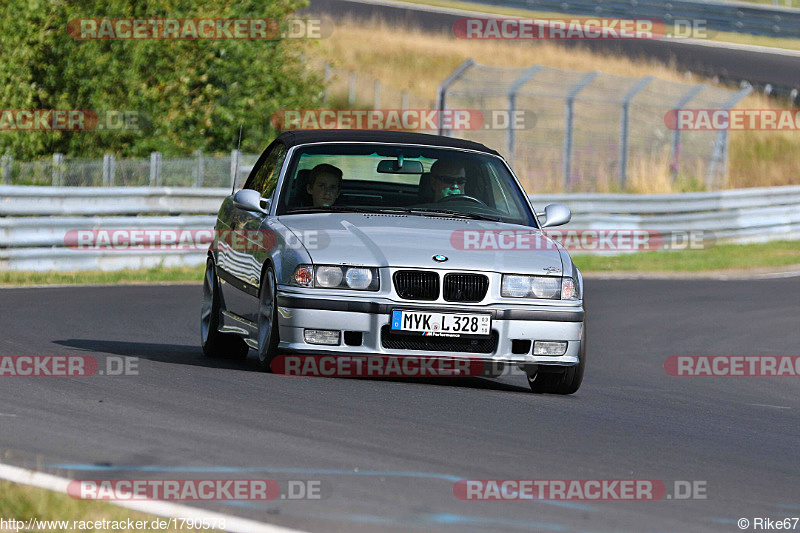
x,y
592,131
201,170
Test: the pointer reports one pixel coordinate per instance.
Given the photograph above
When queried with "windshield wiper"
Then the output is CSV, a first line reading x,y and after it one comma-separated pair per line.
x,y
454,214
330,209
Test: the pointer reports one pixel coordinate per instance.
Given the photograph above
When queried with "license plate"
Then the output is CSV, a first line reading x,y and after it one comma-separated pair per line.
x,y
441,324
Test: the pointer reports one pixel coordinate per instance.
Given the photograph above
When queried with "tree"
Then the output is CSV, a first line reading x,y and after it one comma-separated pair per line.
x,y
188,94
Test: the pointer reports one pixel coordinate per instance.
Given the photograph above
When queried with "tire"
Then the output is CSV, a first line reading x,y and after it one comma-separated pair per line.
x,y
214,343
268,338
566,381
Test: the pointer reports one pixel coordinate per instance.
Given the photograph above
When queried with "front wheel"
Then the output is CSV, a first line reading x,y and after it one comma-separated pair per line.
x,y
267,321
214,343
566,381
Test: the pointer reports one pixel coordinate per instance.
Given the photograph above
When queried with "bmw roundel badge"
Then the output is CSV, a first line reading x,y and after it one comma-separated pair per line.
x,y
440,258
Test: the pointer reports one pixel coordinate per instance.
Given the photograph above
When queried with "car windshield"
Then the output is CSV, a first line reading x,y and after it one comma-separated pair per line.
x,y
394,178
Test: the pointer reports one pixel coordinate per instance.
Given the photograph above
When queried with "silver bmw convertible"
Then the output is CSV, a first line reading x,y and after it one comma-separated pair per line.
x,y
381,244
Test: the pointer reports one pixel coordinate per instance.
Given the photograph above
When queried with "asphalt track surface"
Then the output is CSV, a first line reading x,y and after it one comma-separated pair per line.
x,y
388,451
782,71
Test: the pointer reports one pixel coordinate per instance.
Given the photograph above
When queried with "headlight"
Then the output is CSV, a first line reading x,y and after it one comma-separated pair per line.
x,y
359,278
329,276
337,277
541,287
516,286
545,287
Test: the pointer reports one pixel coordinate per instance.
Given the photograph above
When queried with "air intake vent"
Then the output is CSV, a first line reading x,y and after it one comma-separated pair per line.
x,y
398,341
465,287
416,284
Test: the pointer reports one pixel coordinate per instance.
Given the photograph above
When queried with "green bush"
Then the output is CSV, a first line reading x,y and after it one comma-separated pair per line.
x,y
190,94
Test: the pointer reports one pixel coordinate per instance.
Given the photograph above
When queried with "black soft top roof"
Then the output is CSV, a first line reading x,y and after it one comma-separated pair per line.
x,y
293,138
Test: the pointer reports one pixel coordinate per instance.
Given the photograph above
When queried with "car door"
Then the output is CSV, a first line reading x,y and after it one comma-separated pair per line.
x,y
246,255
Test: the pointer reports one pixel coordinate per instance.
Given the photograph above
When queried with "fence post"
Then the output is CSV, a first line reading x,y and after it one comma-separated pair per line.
x,y
376,104
515,86
58,170
623,128
720,154
109,169
199,170
155,169
442,91
676,134
235,158
7,164
571,94
351,89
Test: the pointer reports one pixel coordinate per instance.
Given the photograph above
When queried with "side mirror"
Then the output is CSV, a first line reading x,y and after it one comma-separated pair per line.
x,y
555,215
250,200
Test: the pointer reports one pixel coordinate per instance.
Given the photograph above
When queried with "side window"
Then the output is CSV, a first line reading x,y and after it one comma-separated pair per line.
x,y
266,177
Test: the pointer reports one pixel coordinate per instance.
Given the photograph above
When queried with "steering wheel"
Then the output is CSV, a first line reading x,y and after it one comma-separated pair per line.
x,y
462,197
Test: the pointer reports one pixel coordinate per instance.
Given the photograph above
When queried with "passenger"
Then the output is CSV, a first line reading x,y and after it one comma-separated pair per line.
x,y
448,178
324,185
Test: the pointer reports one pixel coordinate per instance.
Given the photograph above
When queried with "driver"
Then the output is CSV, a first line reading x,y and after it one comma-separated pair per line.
x,y
448,178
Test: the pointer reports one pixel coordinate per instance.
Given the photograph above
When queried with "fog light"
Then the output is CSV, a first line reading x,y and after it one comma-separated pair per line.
x,y
320,336
549,348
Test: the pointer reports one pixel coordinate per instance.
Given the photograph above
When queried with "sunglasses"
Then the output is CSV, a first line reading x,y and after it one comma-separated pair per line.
x,y
453,180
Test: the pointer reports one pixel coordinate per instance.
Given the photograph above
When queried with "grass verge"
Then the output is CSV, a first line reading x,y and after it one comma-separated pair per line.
x,y
718,258
90,277
23,503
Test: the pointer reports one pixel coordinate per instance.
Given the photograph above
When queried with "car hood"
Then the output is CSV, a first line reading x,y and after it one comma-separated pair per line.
x,y
411,241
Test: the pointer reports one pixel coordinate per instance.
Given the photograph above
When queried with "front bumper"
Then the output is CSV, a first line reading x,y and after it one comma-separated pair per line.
x,y
298,311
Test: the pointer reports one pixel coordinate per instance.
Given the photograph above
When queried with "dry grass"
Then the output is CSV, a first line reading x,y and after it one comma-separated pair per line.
x,y
416,61
764,159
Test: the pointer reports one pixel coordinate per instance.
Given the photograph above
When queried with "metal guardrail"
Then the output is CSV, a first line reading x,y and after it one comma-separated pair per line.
x,y
87,201
34,221
740,215
679,203
738,17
